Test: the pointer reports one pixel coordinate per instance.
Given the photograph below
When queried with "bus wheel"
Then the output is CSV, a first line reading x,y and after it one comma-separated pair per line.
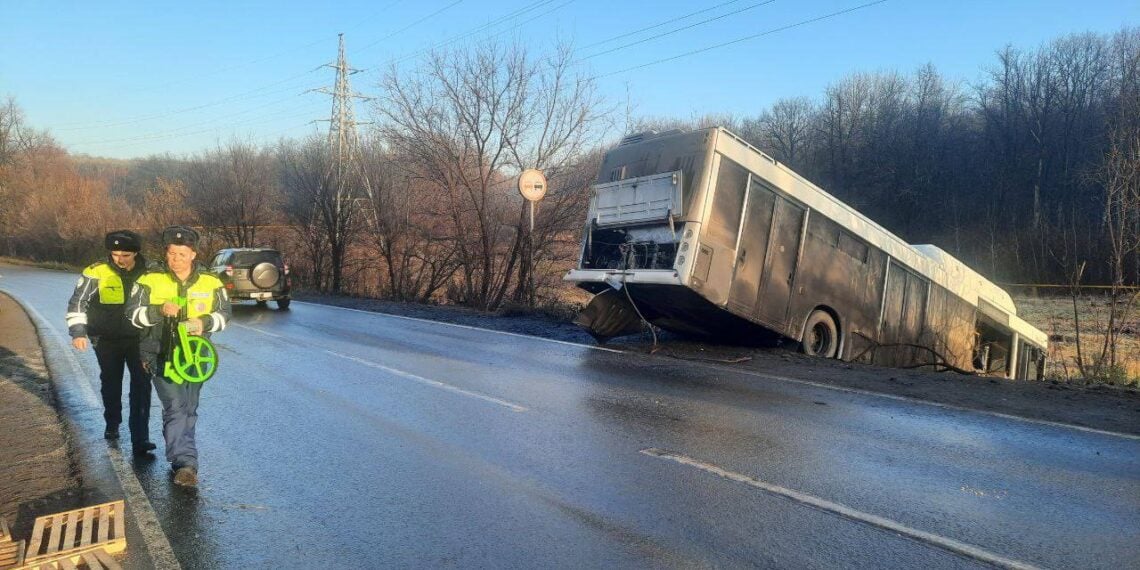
x,y
821,336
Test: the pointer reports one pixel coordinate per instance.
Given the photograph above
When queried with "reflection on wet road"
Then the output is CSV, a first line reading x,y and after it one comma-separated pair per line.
x,y
332,436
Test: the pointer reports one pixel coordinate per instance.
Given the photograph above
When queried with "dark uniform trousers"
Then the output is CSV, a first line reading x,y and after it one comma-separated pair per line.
x,y
113,355
179,418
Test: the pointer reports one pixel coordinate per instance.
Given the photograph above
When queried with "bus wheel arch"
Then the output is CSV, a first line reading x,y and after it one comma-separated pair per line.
x,y
821,333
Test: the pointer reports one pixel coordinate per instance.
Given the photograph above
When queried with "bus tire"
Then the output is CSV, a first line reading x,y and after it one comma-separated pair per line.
x,y
821,335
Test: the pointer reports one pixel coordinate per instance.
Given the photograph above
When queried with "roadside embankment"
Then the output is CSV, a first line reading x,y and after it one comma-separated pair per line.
x,y
37,472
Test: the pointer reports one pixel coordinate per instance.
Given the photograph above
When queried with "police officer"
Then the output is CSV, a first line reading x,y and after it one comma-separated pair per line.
x,y
97,311
182,291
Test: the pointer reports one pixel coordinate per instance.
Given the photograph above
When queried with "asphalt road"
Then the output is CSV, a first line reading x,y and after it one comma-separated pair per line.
x,y
333,437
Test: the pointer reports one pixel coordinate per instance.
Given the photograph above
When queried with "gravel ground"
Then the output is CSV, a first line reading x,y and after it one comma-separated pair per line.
x,y
1095,406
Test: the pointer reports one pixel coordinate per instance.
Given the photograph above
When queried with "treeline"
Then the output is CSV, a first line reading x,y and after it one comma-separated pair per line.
x,y
1009,173
1027,175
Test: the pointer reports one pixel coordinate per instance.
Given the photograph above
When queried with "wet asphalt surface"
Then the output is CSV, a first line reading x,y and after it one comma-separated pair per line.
x,y
333,437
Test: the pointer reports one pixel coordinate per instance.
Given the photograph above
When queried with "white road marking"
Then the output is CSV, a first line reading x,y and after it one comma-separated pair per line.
x,y
256,330
845,511
433,383
428,381
822,385
156,542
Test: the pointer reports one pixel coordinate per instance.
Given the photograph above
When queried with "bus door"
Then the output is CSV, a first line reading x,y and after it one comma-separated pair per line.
x,y
904,314
780,266
752,249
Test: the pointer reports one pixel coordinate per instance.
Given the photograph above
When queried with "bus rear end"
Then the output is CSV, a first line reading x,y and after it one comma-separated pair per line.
x,y
639,241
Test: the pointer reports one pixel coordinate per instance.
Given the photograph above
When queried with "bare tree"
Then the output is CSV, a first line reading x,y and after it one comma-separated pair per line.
x,y
165,204
1119,175
557,227
660,124
11,121
408,229
784,130
324,203
842,125
234,190
469,121
560,118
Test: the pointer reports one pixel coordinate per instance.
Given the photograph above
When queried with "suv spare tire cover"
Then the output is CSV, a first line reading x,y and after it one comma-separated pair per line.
x,y
264,275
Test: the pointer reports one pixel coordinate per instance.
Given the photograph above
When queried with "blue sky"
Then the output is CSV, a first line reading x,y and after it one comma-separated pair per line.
x,y
130,79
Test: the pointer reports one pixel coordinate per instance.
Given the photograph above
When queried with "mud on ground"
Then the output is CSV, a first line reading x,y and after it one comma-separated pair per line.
x,y
1095,406
37,472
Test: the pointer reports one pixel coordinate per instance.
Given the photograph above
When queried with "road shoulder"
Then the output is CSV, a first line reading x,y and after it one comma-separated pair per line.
x,y
38,471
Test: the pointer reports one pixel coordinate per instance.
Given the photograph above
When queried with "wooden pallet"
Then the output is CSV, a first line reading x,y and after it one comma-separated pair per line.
x,y
83,536
97,559
11,551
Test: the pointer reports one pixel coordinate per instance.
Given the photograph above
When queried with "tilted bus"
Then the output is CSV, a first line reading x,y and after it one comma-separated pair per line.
x,y
700,233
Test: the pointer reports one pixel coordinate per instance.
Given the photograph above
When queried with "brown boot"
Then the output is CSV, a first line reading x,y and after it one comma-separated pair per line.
x,y
186,476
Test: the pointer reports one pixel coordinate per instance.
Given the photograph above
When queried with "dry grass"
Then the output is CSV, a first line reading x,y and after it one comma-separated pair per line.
x,y
1054,316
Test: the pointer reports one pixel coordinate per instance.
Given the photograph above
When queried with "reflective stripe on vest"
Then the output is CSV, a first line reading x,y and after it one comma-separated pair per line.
x,y
199,297
110,283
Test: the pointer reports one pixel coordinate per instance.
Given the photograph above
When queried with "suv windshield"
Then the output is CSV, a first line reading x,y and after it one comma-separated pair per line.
x,y
255,257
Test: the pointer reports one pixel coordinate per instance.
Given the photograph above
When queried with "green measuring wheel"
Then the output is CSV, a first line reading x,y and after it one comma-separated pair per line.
x,y
194,359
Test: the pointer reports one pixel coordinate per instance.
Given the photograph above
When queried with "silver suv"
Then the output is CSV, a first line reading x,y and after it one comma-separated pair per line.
x,y
257,274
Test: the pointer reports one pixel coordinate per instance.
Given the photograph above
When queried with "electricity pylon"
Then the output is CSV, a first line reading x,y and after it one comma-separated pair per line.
x,y
344,143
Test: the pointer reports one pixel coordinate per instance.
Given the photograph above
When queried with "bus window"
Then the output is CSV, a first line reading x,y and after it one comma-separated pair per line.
x,y
728,203
853,247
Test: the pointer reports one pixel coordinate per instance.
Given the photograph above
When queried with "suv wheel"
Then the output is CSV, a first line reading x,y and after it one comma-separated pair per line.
x,y
283,304
264,275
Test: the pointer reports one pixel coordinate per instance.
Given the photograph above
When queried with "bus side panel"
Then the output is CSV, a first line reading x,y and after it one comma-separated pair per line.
x,y
841,273
951,328
903,325
724,212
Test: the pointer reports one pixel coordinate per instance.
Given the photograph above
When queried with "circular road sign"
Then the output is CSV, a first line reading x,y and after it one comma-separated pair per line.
x,y
532,184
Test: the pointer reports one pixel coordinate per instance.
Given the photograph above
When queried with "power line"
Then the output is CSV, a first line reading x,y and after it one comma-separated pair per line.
x,y
681,29
252,122
533,18
678,18
103,124
183,131
215,102
476,30
743,39
360,22
247,94
411,25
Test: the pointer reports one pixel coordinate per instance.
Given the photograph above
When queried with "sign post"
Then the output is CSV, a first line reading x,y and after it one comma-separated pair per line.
x,y
532,186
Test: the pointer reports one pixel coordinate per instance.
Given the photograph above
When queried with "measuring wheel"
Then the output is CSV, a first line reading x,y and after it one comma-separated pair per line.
x,y
194,359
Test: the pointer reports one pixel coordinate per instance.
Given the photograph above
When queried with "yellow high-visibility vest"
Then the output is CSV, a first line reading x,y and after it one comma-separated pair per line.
x,y
110,283
199,296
